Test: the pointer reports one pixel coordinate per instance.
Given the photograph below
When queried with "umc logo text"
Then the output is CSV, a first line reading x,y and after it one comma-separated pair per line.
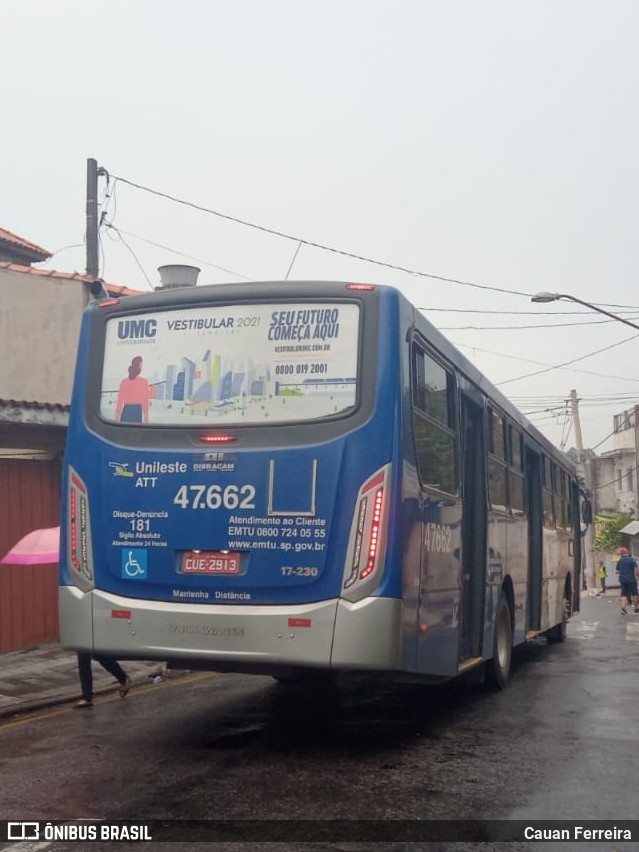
x,y
136,329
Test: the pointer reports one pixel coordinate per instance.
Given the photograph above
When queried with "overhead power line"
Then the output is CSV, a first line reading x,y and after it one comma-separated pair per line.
x,y
93,172
603,440
520,313
542,363
323,247
127,246
520,327
567,363
613,481
183,254
274,232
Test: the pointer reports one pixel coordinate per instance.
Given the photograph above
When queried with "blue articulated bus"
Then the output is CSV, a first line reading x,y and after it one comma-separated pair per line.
x,y
283,477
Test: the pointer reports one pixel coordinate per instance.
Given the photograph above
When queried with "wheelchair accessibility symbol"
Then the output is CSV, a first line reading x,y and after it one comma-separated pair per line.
x,y
134,564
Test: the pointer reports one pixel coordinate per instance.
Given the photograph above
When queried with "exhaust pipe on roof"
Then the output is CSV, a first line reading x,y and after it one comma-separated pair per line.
x,y
175,275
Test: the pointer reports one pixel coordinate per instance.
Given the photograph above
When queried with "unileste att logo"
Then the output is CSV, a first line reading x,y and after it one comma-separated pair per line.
x,y
121,469
136,329
23,831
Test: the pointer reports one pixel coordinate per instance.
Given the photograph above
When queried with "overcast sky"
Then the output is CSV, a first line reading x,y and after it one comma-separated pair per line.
x,y
490,141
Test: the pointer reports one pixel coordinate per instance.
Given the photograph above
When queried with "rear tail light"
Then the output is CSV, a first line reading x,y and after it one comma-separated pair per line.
x,y
367,543
373,542
218,439
78,544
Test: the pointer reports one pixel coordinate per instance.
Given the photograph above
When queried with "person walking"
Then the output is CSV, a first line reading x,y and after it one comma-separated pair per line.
x,y
86,677
602,577
627,571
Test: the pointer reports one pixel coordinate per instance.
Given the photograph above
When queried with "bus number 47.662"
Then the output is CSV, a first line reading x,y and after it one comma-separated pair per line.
x,y
215,497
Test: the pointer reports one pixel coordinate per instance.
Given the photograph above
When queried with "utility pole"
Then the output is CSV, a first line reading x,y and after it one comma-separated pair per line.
x,y
93,260
583,468
636,476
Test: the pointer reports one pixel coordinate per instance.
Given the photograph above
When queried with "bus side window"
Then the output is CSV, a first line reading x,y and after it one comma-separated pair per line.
x,y
516,448
515,474
566,515
497,470
434,422
549,509
559,499
568,499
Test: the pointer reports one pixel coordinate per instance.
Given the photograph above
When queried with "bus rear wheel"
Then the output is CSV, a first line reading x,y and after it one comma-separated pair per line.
x,y
497,670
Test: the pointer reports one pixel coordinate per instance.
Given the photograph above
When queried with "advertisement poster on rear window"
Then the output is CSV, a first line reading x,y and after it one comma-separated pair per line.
x,y
227,365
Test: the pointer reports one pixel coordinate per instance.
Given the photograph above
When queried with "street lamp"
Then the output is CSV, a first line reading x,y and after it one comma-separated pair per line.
x,y
554,297
581,463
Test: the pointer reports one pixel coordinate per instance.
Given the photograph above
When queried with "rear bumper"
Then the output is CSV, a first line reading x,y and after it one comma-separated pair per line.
x,y
329,634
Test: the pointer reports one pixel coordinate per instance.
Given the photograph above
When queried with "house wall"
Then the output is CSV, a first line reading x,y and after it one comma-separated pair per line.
x,y
612,494
624,440
39,328
40,317
603,474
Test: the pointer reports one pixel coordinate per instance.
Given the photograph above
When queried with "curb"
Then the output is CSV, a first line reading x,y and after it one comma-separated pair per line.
x,y
46,702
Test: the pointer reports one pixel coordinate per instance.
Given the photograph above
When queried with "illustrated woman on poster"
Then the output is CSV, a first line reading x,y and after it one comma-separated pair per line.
x,y
133,396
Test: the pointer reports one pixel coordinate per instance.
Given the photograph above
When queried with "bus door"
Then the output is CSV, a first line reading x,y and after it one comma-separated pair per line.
x,y
535,530
473,529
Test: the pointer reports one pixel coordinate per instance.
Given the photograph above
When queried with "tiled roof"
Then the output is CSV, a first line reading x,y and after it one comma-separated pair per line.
x,y
17,412
23,403
114,289
25,245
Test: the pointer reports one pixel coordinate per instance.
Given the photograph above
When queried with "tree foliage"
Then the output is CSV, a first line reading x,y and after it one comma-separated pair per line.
x,y
607,535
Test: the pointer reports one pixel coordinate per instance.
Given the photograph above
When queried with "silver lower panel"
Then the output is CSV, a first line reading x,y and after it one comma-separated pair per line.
x,y
331,634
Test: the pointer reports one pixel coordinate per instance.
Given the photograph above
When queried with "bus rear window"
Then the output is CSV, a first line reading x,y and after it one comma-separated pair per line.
x,y
231,365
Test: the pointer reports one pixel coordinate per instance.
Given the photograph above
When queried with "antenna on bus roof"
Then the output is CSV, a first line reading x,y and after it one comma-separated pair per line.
x,y
175,275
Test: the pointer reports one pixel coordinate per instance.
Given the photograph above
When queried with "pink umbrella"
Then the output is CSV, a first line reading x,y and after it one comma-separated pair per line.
x,y
35,548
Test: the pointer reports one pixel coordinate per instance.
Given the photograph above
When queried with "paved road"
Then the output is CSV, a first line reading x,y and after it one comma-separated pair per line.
x,y
559,743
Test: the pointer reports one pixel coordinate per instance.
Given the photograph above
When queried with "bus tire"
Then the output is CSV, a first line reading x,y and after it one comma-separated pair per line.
x,y
497,669
557,633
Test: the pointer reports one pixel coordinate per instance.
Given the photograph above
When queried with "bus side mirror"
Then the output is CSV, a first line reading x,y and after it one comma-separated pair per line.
x,y
586,512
